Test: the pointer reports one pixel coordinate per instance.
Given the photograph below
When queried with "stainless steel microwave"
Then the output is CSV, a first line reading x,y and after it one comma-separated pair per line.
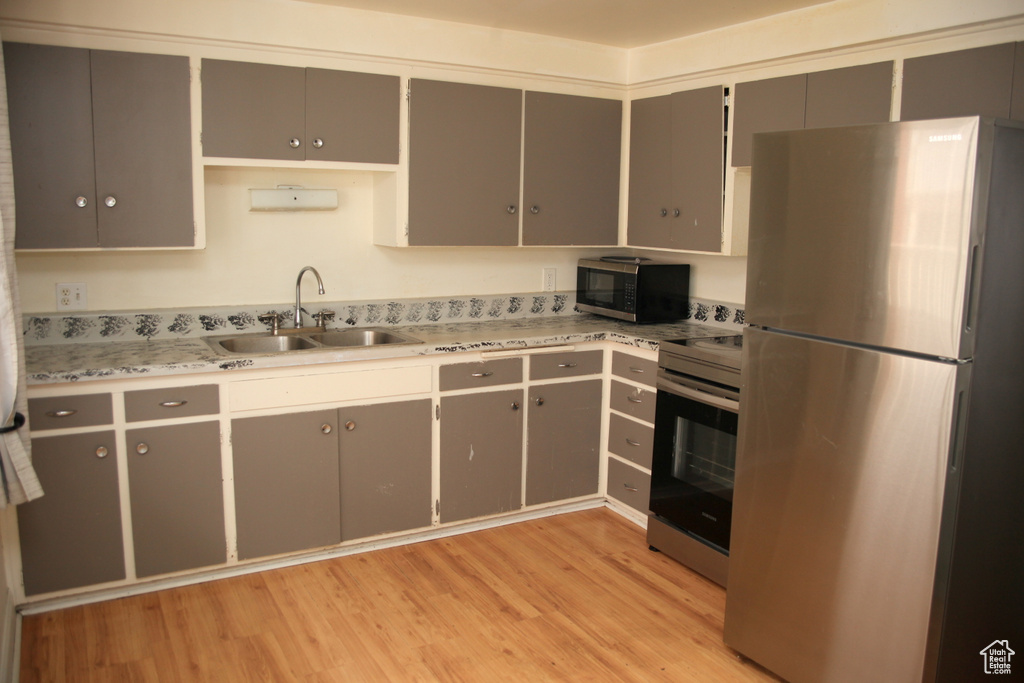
x,y
640,292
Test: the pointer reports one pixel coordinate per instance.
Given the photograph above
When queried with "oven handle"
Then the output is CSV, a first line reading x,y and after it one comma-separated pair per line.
x,y
700,396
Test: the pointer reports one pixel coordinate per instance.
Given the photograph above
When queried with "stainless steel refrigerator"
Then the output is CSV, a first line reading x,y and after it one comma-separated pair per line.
x,y
878,520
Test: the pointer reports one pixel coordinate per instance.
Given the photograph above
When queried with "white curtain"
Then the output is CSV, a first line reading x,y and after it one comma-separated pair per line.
x,y
19,480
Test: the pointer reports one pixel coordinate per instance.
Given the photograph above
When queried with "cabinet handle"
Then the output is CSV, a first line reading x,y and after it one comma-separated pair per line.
x,y
81,202
631,442
630,488
566,365
318,143
540,400
635,369
350,425
294,143
511,208
110,201
326,429
634,399
61,413
534,209
173,404
481,374
142,448
101,451
515,405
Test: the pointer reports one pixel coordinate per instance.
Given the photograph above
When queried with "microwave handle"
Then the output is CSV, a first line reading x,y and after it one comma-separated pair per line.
x,y
699,396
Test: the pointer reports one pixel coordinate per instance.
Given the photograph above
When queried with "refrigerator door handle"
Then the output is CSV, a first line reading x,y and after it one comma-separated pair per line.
x,y
956,444
974,288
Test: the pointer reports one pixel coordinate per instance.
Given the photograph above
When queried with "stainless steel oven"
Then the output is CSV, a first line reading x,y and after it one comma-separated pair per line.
x,y
694,462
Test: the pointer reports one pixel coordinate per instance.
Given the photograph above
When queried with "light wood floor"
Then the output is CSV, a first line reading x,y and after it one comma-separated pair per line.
x,y
575,597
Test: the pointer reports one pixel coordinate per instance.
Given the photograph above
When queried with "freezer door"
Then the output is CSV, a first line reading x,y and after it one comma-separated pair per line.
x,y
842,461
863,233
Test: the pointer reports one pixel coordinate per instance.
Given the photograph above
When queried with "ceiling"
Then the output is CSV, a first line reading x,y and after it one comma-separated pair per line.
x,y
618,23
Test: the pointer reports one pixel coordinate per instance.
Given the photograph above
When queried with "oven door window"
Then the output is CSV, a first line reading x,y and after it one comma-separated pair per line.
x,y
704,452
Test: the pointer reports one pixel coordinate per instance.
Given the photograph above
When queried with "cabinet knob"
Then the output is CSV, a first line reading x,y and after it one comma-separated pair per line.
x,y
676,213
535,209
326,429
511,208
60,413
81,202
110,201
318,143
101,451
142,448
540,400
350,425
515,405
294,143
664,212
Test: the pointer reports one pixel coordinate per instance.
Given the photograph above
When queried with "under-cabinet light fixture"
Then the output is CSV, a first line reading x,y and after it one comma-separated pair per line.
x,y
293,198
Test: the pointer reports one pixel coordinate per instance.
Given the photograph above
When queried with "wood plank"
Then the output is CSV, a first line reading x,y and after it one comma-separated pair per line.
x,y
571,597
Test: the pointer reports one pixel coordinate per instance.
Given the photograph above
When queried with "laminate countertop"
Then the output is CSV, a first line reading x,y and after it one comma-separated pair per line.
x,y
78,362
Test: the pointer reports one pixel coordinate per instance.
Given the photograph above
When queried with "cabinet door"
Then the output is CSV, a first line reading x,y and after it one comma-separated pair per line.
x,y
464,143
143,147
177,497
71,537
351,116
253,111
481,454
650,171
963,83
572,149
385,468
1017,102
698,149
286,482
563,441
763,106
50,104
850,96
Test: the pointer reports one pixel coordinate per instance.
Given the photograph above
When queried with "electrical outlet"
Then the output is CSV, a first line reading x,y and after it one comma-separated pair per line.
x,y
550,274
71,296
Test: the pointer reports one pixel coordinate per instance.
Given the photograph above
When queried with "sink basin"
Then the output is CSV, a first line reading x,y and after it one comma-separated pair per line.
x,y
361,337
269,343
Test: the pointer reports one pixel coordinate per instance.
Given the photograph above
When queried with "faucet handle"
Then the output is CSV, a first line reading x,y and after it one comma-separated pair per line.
x,y
323,317
273,318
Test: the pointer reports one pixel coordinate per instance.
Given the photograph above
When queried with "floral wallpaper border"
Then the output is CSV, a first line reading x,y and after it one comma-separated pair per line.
x,y
171,323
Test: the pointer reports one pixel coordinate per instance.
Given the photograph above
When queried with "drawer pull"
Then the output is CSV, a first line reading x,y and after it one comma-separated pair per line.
x,y
61,413
631,442
566,365
142,449
172,404
101,451
634,399
636,369
481,374
631,489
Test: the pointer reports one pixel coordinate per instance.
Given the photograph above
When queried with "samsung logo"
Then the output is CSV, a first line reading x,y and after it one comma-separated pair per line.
x,y
950,137
711,517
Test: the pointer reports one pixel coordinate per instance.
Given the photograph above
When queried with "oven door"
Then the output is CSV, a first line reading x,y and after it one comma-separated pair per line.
x,y
694,458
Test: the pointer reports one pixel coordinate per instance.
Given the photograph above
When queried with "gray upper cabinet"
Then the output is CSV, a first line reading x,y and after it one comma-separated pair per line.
x,y
1017,101
267,111
837,97
571,162
464,159
86,126
676,171
385,470
971,82
71,537
177,498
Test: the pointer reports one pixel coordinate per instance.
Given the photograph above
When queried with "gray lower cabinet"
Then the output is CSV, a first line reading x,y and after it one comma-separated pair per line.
x,y
286,482
676,168
481,454
177,497
86,127
385,468
563,451
71,537
269,111
975,82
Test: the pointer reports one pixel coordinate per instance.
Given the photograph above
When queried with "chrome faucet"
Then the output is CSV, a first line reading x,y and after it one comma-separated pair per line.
x,y
298,296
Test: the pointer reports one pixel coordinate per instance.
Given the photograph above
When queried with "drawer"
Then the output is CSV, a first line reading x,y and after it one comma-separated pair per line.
x,y
630,485
635,369
630,439
166,404
486,373
633,401
60,412
335,387
566,364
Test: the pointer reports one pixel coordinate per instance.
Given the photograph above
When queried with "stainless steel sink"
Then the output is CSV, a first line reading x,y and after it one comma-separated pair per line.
x,y
282,343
